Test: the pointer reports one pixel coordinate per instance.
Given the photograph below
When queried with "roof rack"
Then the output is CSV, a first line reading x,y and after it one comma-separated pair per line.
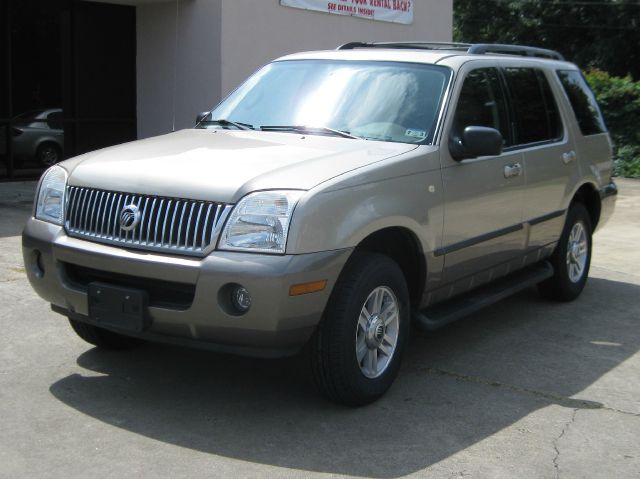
x,y
474,48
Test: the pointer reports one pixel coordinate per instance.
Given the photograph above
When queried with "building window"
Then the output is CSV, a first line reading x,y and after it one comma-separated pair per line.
x,y
68,83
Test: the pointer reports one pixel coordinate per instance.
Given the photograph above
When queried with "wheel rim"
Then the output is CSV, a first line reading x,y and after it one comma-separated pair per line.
x,y
577,251
377,332
49,156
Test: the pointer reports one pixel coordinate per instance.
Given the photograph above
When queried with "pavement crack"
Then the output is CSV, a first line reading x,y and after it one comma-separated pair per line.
x,y
556,465
621,411
551,397
547,396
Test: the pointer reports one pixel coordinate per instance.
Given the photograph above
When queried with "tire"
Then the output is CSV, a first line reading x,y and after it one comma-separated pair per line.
x,y
571,266
103,338
48,154
338,373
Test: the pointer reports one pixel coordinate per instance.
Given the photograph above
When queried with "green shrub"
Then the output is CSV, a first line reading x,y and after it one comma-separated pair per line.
x,y
627,161
619,98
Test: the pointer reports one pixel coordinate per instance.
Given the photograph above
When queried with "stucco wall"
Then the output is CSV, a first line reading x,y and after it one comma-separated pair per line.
x,y
221,42
257,31
184,81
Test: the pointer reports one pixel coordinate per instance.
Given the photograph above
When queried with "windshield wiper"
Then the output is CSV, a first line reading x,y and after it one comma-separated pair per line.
x,y
225,122
309,129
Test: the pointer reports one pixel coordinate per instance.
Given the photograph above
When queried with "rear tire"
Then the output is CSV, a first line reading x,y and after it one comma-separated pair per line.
x,y
571,259
357,349
103,338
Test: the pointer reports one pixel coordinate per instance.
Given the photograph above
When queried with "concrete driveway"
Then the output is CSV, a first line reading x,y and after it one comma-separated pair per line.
x,y
524,389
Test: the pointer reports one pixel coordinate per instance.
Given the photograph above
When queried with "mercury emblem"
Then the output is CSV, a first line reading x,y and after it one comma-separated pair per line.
x,y
129,217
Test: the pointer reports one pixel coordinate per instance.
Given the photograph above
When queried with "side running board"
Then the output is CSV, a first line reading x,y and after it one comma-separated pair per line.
x,y
449,311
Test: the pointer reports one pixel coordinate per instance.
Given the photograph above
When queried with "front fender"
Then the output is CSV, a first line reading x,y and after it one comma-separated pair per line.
x,y
402,192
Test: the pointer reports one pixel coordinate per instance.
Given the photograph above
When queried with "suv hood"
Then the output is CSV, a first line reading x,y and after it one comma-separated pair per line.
x,y
224,165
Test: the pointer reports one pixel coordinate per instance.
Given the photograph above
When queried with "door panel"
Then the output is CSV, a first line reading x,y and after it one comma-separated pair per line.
x,y
549,182
550,162
483,203
483,215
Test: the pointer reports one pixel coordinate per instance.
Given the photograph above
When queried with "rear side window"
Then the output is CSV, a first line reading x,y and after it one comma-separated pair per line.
x,y
54,120
481,103
583,102
536,112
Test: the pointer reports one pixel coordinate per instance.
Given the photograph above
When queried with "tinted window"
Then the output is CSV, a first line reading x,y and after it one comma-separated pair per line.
x,y
583,102
554,123
481,103
54,120
536,112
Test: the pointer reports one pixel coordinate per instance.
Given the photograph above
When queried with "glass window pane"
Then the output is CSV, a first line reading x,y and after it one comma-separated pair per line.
x,y
37,143
377,100
481,103
529,105
5,94
583,102
4,160
36,86
4,62
551,107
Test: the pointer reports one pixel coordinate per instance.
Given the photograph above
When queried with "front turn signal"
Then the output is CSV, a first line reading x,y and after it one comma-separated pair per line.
x,y
306,288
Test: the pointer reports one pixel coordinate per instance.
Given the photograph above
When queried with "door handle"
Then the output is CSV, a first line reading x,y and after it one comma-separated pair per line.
x,y
568,157
515,169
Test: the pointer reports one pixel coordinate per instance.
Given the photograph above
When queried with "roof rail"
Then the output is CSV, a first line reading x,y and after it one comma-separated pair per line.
x,y
407,45
522,50
474,48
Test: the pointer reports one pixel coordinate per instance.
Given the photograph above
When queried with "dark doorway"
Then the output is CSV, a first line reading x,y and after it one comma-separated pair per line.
x,y
67,85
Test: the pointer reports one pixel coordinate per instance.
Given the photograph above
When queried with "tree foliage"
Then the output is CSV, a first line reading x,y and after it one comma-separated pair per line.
x,y
619,99
600,36
603,34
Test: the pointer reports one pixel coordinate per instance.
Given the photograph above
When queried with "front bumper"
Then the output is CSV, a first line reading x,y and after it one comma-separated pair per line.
x,y
277,324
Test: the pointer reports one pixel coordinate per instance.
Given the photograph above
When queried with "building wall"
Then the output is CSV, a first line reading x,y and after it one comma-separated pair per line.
x,y
221,42
176,83
255,32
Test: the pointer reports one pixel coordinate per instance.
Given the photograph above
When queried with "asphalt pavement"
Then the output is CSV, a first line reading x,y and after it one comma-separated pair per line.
x,y
524,389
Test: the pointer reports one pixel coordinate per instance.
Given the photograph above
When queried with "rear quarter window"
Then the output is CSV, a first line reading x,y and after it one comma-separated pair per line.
x,y
583,102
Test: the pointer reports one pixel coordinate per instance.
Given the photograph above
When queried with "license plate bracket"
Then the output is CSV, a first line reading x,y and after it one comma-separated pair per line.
x,y
118,307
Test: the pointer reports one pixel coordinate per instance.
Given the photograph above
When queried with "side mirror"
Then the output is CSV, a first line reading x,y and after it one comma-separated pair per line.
x,y
200,117
476,141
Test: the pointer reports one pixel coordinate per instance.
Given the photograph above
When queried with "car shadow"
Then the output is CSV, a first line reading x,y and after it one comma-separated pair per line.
x,y
456,387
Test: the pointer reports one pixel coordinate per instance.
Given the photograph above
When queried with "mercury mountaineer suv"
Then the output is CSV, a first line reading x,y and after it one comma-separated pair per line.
x,y
331,200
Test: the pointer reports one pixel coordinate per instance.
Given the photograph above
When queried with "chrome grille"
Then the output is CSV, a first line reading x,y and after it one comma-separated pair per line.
x,y
171,225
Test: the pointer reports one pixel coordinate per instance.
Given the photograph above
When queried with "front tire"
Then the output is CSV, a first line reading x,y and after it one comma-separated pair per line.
x,y
48,154
572,257
357,349
102,338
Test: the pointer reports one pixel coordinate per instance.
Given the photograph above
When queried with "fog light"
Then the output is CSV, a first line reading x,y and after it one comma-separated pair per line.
x,y
241,299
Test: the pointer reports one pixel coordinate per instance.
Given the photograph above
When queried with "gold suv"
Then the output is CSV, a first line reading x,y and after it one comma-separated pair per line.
x,y
330,199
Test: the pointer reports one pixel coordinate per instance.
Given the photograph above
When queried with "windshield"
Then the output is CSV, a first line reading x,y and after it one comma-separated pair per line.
x,y
385,101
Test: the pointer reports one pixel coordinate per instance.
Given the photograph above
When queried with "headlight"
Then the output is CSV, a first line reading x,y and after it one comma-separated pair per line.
x,y
260,222
50,203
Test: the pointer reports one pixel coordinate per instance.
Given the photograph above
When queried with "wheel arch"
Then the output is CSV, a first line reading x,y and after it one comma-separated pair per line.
x,y
588,195
47,141
403,246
